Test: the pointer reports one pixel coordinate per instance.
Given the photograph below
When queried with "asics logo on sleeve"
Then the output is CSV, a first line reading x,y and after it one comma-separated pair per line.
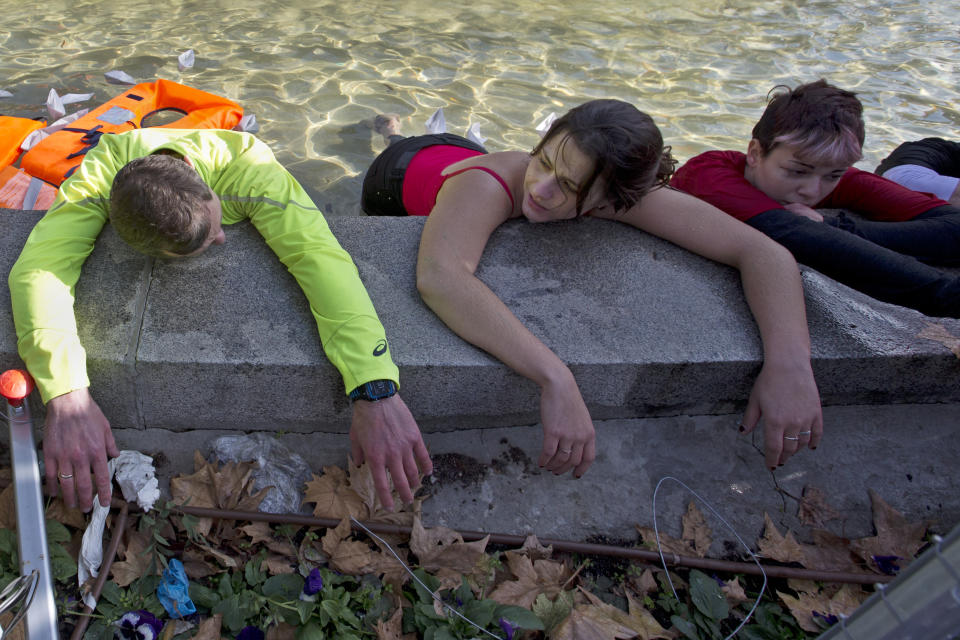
x,y
380,349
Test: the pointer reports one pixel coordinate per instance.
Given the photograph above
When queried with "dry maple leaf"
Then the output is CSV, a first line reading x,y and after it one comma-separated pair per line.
x,y
390,629
281,631
895,535
814,509
533,578
258,532
17,633
226,559
391,570
58,511
209,629
668,544
830,552
8,509
695,531
440,547
196,566
733,592
587,622
228,488
939,333
807,603
277,564
644,583
136,563
777,547
361,481
534,550
598,620
333,496
347,556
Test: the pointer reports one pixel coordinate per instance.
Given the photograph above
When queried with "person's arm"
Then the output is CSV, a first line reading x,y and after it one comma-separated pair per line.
x,y
469,207
77,436
785,393
383,433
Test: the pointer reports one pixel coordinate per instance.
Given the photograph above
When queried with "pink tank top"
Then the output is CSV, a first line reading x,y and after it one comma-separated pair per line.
x,y
424,176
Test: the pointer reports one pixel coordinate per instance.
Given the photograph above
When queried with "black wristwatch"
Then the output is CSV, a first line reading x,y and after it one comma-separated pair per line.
x,y
374,390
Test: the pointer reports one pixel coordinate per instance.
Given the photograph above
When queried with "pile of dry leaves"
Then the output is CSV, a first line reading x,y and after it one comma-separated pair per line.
x,y
534,577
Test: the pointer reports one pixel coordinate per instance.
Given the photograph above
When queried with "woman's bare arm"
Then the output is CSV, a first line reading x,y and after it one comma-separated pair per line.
x,y
469,207
785,393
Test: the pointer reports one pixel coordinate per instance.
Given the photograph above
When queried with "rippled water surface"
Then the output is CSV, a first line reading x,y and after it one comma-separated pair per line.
x,y
311,71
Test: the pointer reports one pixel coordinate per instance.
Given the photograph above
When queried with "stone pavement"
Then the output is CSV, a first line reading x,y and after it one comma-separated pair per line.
x,y
661,342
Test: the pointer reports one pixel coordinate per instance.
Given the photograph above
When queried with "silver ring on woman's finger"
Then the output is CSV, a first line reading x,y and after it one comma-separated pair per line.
x,y
804,433
64,476
791,437
566,451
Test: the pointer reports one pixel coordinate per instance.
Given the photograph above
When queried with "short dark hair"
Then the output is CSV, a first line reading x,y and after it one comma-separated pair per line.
x,y
625,144
156,205
823,121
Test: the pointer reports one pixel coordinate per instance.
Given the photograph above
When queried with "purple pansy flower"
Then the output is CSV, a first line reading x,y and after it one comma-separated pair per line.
x,y
507,628
887,564
312,586
138,625
829,618
250,633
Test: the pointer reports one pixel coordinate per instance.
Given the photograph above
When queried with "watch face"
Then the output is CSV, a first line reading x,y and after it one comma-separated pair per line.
x,y
378,388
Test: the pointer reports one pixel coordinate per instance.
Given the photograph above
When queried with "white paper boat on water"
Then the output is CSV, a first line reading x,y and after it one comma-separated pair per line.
x,y
437,123
544,125
473,133
185,60
119,77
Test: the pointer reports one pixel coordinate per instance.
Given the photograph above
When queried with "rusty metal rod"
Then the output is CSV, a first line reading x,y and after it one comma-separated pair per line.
x,y
569,546
118,526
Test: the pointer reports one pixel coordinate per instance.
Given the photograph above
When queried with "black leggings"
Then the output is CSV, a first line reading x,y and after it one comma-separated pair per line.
x,y
885,260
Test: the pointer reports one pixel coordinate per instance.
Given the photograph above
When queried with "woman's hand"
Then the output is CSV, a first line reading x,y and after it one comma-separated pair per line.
x,y
787,399
568,434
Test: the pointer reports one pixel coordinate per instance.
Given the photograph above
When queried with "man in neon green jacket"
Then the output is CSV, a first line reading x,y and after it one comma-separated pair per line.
x,y
167,192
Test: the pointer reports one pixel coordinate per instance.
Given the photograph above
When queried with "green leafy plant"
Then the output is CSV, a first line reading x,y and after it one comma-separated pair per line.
x,y
344,608
423,617
706,615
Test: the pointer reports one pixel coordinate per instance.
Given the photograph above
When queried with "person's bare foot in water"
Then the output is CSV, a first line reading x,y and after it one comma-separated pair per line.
x,y
387,125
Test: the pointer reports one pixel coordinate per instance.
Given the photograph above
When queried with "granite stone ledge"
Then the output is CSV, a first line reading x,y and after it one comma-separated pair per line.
x,y
226,341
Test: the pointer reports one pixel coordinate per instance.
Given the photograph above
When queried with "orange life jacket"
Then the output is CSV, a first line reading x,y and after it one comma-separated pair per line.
x,y
13,131
58,155
20,191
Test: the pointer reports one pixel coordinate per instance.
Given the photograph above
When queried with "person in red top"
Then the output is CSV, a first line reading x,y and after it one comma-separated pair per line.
x,y
799,160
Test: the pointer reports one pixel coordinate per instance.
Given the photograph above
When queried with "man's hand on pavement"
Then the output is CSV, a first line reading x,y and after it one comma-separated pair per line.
x,y
77,440
385,435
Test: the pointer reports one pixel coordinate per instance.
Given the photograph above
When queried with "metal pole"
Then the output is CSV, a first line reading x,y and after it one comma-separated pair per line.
x,y
41,619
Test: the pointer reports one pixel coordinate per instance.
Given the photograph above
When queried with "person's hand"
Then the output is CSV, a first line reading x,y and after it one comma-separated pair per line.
x,y
803,210
787,399
568,435
385,435
77,439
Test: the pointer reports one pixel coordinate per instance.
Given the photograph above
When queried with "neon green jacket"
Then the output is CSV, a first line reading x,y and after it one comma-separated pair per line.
x,y
251,185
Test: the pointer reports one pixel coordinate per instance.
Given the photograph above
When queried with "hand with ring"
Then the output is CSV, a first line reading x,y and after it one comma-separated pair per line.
x,y
76,441
789,403
568,433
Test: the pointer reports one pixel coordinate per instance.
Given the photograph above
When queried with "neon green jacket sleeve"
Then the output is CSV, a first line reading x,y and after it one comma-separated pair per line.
x,y
256,187
43,278
252,185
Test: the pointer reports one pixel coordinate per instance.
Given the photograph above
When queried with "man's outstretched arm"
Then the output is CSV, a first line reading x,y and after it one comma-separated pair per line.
x,y
383,433
77,437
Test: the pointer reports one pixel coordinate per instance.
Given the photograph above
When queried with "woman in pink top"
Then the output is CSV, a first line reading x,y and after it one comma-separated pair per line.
x,y
605,159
